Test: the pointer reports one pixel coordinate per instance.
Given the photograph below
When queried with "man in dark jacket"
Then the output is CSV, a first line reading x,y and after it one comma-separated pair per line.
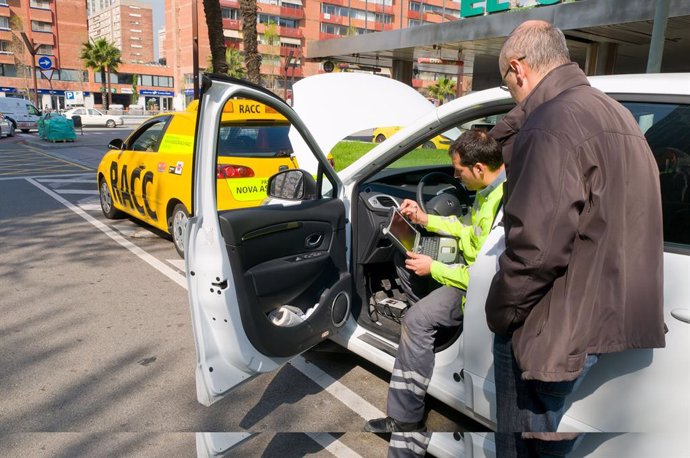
x,y
582,271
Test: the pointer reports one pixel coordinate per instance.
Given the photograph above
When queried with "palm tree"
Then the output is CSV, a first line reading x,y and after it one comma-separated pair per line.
x,y
442,89
214,23
103,57
252,58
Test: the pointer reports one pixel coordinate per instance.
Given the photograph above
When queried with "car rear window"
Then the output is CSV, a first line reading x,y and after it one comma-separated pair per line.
x,y
257,140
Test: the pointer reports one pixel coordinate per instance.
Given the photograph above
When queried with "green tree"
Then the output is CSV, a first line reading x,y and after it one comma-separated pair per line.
x,y
235,61
272,43
443,88
103,57
135,90
21,55
252,58
214,23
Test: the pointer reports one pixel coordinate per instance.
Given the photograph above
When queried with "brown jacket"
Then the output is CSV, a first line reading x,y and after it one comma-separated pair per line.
x,y
582,270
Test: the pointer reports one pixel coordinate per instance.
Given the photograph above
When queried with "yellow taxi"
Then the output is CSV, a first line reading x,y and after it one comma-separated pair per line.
x,y
382,134
149,175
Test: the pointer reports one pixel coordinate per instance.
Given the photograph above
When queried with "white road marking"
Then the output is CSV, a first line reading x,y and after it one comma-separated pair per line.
x,y
345,395
334,446
77,191
178,263
90,207
141,254
332,386
90,180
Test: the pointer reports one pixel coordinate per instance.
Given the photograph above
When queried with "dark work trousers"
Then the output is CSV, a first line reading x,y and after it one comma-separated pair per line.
x,y
408,445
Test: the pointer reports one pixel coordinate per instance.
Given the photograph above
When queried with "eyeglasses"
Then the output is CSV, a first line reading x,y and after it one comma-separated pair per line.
x,y
503,85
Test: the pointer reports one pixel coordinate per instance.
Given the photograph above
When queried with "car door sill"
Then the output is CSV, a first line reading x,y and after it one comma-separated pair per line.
x,y
378,344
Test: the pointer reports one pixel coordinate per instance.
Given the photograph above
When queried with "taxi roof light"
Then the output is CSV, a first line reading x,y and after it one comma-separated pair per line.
x,y
233,171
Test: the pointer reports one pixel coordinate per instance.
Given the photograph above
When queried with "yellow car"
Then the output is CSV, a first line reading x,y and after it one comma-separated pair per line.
x,y
381,134
149,175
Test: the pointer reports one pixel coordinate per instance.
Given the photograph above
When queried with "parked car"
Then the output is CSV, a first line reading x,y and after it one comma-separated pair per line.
x,y
6,126
148,176
318,245
93,117
381,134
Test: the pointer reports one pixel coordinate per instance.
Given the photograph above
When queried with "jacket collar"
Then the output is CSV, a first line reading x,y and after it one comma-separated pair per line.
x,y
557,81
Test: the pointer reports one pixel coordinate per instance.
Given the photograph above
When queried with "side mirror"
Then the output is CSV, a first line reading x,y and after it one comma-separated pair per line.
x,y
116,144
294,184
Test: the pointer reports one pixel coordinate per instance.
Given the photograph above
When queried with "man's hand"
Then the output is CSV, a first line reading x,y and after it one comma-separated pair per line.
x,y
410,210
420,264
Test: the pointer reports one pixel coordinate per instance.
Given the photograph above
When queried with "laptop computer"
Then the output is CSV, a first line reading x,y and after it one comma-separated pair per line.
x,y
407,238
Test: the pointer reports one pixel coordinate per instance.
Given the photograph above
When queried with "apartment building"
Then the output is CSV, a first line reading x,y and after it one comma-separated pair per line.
x,y
56,29
128,24
286,28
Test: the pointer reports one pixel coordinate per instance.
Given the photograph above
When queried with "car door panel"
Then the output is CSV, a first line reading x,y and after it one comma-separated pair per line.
x,y
283,257
246,263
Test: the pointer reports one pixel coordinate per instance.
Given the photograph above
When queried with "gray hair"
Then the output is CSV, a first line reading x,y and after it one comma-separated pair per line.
x,y
542,44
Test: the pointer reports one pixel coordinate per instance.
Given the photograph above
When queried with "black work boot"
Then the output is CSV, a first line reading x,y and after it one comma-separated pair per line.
x,y
390,425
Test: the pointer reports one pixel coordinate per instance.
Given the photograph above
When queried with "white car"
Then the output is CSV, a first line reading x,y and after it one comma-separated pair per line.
x,y
318,245
93,117
6,127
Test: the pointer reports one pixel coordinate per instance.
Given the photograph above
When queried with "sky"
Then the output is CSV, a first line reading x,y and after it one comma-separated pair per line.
x,y
158,7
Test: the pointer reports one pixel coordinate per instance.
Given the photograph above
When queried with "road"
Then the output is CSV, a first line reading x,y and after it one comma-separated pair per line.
x,y
97,350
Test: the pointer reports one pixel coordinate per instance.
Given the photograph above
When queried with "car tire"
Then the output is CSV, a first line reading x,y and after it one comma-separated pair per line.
x,y
380,138
110,123
12,132
429,145
177,221
107,206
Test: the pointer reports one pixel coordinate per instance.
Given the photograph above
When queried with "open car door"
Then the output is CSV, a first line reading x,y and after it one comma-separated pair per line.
x,y
243,266
268,283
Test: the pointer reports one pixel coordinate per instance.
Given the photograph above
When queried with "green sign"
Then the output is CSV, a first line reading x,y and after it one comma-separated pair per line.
x,y
470,8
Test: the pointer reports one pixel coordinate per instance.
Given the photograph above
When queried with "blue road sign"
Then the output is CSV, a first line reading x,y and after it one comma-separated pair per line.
x,y
45,62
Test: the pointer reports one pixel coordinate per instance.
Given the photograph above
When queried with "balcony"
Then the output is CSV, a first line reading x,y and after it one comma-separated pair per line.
x,y
290,32
292,13
230,4
331,19
329,36
232,24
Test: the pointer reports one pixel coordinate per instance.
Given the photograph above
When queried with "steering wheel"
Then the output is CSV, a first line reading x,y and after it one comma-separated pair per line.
x,y
444,203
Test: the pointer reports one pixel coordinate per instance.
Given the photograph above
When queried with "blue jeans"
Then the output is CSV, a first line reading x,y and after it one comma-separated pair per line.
x,y
528,405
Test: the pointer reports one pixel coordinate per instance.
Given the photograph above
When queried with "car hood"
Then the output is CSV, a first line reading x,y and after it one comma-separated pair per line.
x,y
336,105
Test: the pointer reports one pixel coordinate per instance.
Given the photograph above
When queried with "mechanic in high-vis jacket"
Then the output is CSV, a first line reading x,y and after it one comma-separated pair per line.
x,y
478,163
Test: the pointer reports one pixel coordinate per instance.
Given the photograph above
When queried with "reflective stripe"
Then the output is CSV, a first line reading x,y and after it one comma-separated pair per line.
x,y
407,375
408,387
415,442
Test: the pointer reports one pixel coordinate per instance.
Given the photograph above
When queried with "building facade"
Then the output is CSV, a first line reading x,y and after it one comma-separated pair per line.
x,y
128,24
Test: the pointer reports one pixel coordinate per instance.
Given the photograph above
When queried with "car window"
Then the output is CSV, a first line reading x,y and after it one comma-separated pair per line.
x,y
149,137
32,110
666,127
434,151
263,140
79,112
94,113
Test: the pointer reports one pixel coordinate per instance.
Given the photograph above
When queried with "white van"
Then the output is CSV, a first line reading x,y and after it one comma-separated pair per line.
x,y
20,112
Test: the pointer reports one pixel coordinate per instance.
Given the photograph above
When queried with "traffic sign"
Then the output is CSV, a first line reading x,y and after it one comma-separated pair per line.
x,y
45,62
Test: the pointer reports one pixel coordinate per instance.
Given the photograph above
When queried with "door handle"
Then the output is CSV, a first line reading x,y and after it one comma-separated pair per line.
x,y
313,240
